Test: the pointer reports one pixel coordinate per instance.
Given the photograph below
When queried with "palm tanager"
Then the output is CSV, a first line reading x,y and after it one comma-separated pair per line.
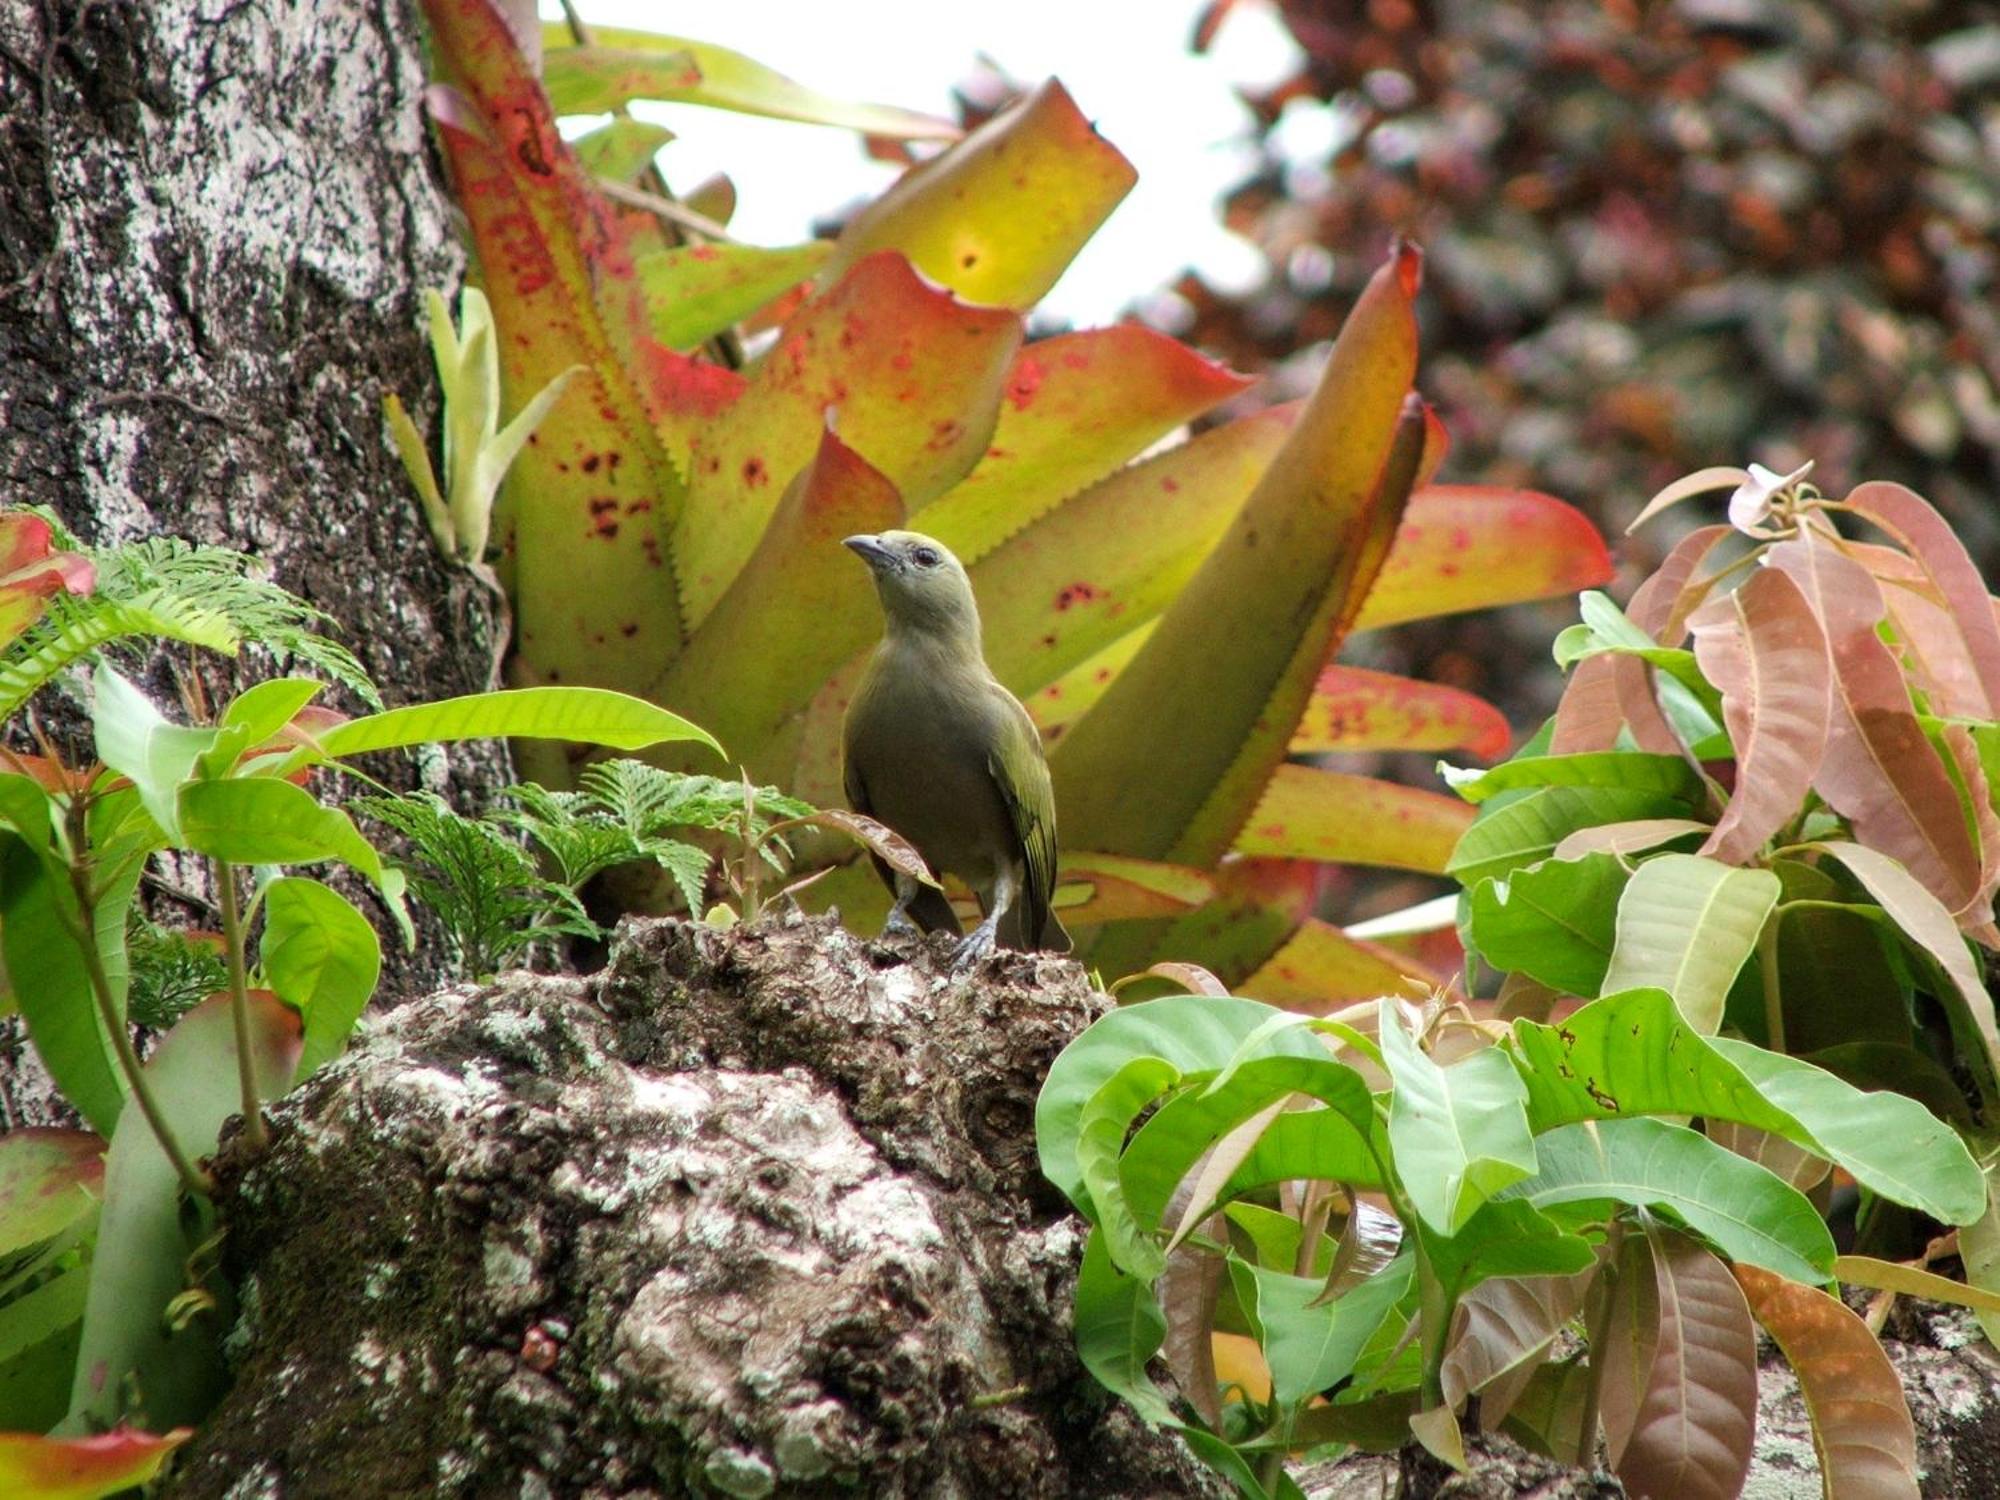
x,y
937,749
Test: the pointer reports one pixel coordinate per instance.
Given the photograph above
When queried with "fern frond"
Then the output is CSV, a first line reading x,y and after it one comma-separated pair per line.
x,y
73,628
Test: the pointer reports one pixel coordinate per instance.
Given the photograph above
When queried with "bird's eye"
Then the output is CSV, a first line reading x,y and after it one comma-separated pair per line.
x,y
924,557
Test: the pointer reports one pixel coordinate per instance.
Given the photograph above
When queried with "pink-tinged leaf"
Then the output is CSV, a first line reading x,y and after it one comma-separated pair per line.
x,y
31,570
1701,482
1503,1326
86,1468
1320,968
1862,1430
1763,650
1928,637
1626,838
623,64
1929,539
1188,1293
1247,637
1660,607
1112,558
1695,1417
1193,979
1078,405
800,586
1880,771
142,1249
912,379
1095,888
1588,716
1000,215
49,1178
1308,813
878,838
1469,546
1977,798
1923,919
1355,709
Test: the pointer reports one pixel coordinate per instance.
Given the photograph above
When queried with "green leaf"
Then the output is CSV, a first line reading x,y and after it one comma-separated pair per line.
x,y
1506,1237
621,148
1507,835
1100,1137
1666,775
1687,925
1749,1214
1634,1054
259,821
44,1312
322,957
590,716
136,740
694,292
1312,1345
263,709
1555,921
1308,812
1460,1133
142,1250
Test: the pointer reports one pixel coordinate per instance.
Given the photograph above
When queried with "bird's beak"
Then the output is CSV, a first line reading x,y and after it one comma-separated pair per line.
x,y
870,550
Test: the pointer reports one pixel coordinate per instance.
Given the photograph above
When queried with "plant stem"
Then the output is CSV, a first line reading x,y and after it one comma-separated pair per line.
x,y
254,1130
84,935
1767,967
1600,1320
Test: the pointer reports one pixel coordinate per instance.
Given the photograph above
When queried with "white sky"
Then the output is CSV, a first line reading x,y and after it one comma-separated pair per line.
x,y
1176,116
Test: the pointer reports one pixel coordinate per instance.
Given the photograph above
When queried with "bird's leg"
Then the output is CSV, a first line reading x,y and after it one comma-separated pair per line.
x,y
979,942
898,923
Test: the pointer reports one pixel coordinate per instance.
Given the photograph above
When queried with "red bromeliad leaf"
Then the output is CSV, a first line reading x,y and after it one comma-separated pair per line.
x,y
1355,709
1307,813
999,216
1935,547
1057,706
1109,888
1320,968
694,292
1763,650
1078,405
48,1178
799,587
87,1468
913,379
1880,771
623,64
31,570
1468,546
1248,635
1258,904
1862,1430
1695,1416
1437,448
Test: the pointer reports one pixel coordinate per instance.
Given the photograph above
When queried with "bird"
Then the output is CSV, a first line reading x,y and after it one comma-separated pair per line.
x,y
934,747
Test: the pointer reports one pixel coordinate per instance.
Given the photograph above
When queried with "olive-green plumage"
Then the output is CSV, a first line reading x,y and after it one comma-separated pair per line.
x,y
937,749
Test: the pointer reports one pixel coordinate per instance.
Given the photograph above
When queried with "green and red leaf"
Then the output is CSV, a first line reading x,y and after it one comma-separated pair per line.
x,y
49,1178
1320,968
31,569
694,292
83,1468
1354,709
1309,813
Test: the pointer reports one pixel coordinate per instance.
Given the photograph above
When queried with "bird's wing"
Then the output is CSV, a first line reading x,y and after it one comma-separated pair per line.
x,y
1021,773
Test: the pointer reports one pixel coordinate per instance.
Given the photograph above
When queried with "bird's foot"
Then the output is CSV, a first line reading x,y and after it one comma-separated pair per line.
x,y
976,945
899,925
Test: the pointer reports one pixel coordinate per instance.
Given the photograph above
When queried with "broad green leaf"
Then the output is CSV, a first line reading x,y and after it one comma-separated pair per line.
x,y
694,292
1100,1138
917,379
1354,709
52,986
41,1314
258,821
1505,1238
85,1468
264,708
1687,925
1665,775
1248,635
1470,546
1765,652
999,215
1866,1441
49,1178
1460,1133
624,64
1634,1054
1309,813
1555,921
1748,1213
1077,406
1311,1345
141,1248
136,740
26,809
1526,830
1843,981
586,715
322,957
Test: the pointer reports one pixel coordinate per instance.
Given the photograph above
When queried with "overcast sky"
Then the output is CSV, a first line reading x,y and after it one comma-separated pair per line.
x,y
1126,62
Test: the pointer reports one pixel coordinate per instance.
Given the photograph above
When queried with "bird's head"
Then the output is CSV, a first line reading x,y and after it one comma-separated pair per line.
x,y
922,586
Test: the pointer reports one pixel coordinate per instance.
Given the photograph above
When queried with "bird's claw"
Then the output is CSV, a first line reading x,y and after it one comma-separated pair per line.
x,y
976,946
899,925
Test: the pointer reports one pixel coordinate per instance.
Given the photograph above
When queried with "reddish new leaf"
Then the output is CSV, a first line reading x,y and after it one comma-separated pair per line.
x,y
1880,771
1660,607
47,1468
1469,546
1504,1326
878,838
1355,709
1928,637
31,570
1308,813
1764,651
1588,716
1862,1430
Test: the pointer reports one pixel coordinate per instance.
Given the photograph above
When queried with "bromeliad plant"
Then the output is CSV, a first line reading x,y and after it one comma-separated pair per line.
x,y
1397,1209
704,501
